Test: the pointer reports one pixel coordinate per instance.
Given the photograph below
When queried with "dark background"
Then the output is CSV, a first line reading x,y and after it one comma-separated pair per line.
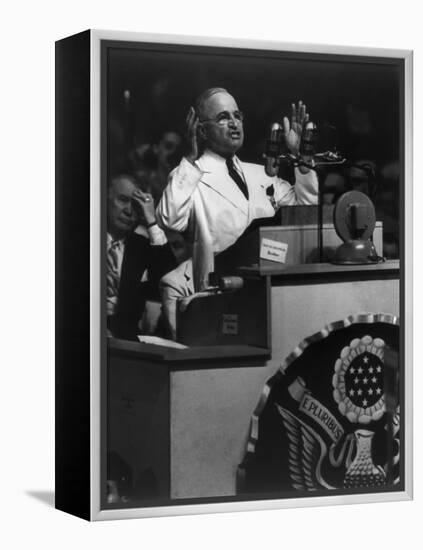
x,y
359,96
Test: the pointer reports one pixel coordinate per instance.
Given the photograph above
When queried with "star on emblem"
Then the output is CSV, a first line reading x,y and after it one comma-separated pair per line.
x,y
366,359
365,380
374,379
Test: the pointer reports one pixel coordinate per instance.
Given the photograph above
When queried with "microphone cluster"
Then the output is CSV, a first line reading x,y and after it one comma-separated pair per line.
x,y
277,152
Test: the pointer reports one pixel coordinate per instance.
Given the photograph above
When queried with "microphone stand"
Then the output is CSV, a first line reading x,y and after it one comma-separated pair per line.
x,y
320,219
328,159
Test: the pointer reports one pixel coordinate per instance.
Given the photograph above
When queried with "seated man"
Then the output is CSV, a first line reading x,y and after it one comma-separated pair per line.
x,y
137,256
215,196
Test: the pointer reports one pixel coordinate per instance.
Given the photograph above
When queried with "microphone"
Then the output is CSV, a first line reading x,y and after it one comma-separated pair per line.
x,y
308,140
274,147
227,283
311,139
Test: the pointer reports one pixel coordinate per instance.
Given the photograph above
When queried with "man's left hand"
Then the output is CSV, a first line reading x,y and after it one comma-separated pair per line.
x,y
293,128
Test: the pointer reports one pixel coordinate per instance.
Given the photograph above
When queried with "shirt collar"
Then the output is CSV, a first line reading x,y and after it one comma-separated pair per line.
x,y
111,241
210,161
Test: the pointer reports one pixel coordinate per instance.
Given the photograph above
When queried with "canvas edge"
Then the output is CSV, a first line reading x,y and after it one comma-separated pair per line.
x,y
408,260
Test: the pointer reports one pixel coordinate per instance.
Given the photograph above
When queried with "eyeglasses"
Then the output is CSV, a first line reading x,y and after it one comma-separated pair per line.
x,y
225,117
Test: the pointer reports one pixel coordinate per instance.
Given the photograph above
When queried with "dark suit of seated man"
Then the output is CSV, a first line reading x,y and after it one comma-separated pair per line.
x,y
137,256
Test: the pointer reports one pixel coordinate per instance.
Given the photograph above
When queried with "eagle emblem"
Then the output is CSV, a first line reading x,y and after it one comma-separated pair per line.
x,y
330,417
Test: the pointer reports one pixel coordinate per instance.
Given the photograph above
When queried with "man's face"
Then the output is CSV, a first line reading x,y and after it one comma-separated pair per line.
x,y
222,128
122,216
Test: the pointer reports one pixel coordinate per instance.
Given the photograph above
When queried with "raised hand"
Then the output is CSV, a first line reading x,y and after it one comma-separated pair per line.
x,y
191,134
293,128
145,203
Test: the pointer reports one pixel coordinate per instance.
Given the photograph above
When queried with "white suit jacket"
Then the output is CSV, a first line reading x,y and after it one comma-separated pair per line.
x,y
204,199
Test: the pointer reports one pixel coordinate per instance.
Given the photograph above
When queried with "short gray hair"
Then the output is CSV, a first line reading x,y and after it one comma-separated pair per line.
x,y
111,182
204,97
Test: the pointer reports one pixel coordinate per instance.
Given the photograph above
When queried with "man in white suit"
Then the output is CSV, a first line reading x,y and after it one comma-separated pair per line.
x,y
214,195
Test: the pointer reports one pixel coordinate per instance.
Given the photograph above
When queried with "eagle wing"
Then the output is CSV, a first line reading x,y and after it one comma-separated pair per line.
x,y
306,453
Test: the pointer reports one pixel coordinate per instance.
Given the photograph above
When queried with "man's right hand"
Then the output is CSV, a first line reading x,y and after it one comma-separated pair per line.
x,y
191,134
145,203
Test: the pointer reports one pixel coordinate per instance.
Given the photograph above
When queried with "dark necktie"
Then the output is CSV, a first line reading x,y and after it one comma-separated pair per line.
x,y
236,177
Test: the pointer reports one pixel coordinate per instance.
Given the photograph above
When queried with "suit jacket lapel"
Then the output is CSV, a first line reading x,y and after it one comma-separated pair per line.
x,y
135,260
215,175
259,204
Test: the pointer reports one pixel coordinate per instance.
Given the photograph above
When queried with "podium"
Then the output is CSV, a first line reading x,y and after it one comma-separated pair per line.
x,y
180,418
290,238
